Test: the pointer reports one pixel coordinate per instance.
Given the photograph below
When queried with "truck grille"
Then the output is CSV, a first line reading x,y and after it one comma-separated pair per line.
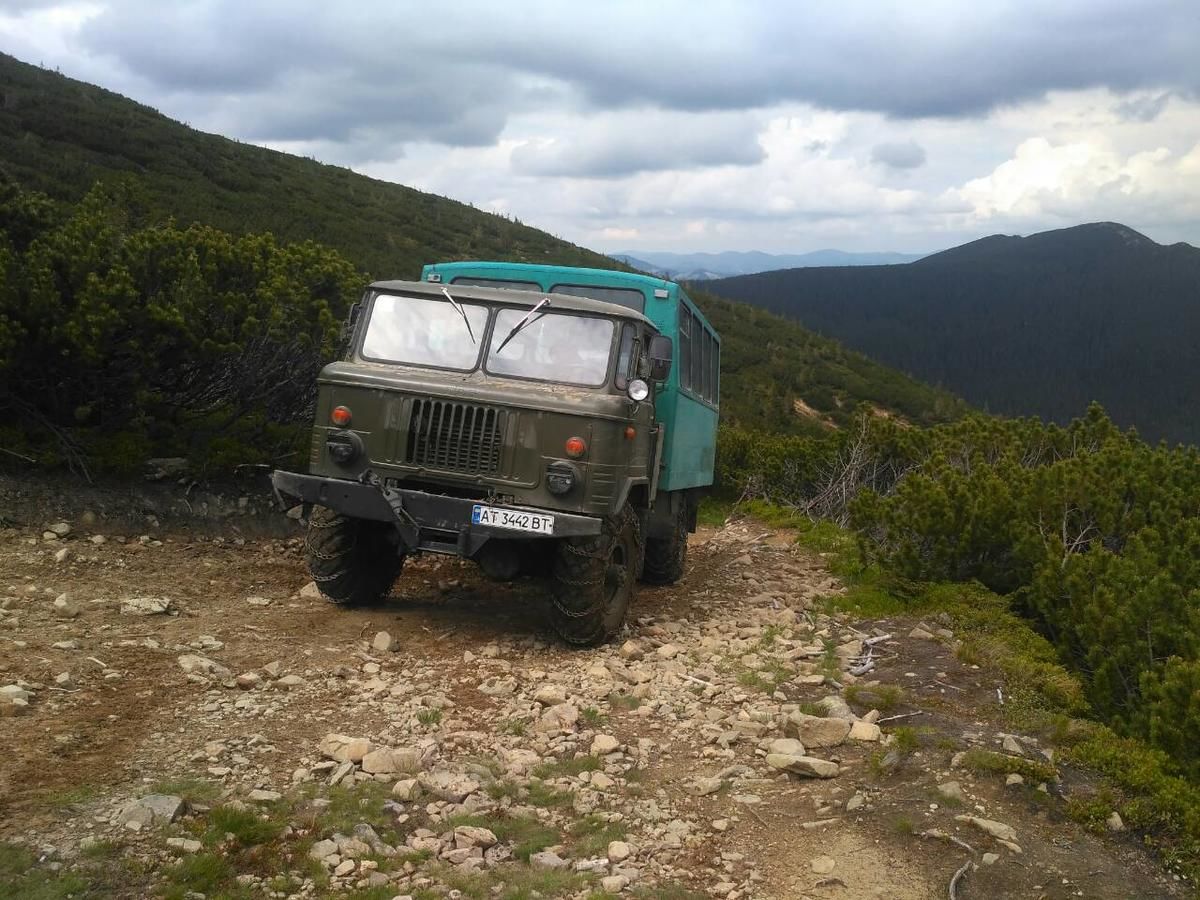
x,y
457,437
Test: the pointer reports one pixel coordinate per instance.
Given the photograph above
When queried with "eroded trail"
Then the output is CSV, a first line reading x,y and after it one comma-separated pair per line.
x,y
722,748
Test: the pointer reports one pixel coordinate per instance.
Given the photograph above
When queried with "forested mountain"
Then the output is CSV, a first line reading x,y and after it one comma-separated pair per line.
x,y
702,266
169,340
1037,325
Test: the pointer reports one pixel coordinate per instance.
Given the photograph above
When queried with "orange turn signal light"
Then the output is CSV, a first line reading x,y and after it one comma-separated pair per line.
x,y
340,416
630,432
575,447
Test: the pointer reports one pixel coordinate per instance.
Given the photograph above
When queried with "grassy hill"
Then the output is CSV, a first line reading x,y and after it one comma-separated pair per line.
x,y
1039,325
59,137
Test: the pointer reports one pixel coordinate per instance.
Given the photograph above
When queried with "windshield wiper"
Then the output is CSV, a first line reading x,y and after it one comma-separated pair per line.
x,y
529,317
462,312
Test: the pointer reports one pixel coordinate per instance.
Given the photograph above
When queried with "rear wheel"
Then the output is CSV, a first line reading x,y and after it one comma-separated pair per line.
x,y
354,562
666,557
593,581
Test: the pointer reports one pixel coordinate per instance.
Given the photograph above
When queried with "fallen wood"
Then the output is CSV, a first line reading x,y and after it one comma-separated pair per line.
x,y
958,876
938,835
919,712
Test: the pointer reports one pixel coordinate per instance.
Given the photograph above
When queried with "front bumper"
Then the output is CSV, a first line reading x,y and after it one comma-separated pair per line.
x,y
444,523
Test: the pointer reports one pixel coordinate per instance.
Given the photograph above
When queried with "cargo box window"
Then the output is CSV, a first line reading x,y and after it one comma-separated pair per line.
x,y
424,332
627,297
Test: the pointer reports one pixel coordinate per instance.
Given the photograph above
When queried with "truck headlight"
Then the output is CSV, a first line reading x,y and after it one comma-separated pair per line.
x,y
638,390
344,447
560,478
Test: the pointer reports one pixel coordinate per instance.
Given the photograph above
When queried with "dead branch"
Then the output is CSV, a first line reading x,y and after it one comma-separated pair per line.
x,y
958,876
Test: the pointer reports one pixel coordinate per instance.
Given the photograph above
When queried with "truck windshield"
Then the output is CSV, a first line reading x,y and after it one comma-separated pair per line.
x,y
553,347
424,332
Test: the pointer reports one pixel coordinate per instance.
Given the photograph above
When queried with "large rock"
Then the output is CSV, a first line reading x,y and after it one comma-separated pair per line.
x,y
604,744
561,717
806,766
865,731
391,761
550,695
998,830
448,786
789,746
383,642
145,606
818,731
473,836
344,748
153,809
194,664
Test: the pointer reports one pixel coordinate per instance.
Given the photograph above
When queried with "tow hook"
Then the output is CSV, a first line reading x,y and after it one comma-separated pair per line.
x,y
406,525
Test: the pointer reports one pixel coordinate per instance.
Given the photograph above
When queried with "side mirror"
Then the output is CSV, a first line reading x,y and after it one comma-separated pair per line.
x,y
660,353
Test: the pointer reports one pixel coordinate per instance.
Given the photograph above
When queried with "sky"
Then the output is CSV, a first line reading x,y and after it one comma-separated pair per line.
x,y
690,126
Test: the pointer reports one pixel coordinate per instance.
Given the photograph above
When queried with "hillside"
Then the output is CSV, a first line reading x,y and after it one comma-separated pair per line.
x,y
1037,325
58,136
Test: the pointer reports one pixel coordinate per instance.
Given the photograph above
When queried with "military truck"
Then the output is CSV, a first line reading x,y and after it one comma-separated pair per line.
x,y
530,418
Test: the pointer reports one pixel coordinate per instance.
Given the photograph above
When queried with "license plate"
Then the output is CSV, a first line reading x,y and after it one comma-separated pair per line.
x,y
513,519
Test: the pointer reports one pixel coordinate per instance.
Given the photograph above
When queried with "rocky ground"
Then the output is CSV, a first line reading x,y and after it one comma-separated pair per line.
x,y
182,716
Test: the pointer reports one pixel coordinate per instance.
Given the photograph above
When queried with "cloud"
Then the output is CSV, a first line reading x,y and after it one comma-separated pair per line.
x,y
302,64
616,145
907,155
1144,108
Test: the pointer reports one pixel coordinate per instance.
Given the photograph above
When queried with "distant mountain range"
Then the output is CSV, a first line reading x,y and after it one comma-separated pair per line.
x,y
705,266
1038,325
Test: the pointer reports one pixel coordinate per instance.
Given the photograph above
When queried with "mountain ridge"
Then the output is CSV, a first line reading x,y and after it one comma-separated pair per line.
x,y
727,263
1040,324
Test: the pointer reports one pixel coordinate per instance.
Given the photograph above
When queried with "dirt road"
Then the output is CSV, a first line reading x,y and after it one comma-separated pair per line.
x,y
721,748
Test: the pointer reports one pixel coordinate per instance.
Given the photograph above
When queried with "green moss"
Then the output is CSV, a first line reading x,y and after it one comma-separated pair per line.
x,y
567,767
883,697
244,827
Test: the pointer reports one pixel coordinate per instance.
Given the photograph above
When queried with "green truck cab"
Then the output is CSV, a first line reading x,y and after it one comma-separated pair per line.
x,y
536,418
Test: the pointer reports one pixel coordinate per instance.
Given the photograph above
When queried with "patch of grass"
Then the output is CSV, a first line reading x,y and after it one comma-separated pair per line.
x,y
349,806
515,727
591,716
568,766
623,701
100,850
503,788
667,892
767,679
71,797
713,512
809,708
247,827
529,836
995,763
14,860
903,826
883,697
190,790
541,795
591,835
429,716
201,872
770,635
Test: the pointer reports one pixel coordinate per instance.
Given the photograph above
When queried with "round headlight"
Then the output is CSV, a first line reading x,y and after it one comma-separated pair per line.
x,y
638,390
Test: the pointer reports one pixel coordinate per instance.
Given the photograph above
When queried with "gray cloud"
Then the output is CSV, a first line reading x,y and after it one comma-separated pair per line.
x,y
907,155
611,147
1142,109
316,71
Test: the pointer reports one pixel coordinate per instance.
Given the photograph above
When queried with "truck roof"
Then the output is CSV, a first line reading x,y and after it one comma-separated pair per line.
x,y
511,298
610,276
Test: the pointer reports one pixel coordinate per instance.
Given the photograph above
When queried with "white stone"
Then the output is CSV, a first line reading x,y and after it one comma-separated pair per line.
x,y
998,830
604,744
865,731
383,642
823,865
808,766
145,606
619,851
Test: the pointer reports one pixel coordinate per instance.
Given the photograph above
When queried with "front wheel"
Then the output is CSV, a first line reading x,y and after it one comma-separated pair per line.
x,y
354,562
666,558
593,581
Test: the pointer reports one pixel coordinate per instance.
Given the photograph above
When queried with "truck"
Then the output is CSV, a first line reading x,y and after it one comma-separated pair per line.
x,y
531,418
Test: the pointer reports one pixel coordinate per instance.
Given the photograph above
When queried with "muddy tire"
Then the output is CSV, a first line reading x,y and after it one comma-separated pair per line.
x,y
666,558
353,562
593,581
